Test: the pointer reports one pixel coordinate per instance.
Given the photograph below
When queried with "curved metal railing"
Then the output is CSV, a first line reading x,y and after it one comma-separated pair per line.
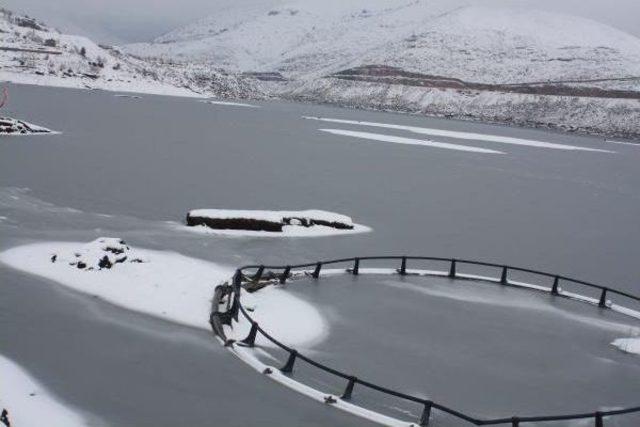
x,y
257,273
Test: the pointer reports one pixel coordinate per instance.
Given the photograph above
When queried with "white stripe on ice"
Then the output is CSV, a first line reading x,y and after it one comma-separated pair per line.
x,y
462,135
409,141
635,144
28,403
230,104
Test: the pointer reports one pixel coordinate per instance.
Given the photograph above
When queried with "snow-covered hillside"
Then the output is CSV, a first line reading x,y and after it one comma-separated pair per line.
x,y
34,53
485,60
478,43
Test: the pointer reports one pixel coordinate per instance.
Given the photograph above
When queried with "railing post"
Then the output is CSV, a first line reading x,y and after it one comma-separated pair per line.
x,y
504,280
554,288
250,340
603,298
237,278
452,269
316,272
227,292
235,306
285,275
356,267
426,414
403,266
258,274
599,419
515,422
349,390
288,367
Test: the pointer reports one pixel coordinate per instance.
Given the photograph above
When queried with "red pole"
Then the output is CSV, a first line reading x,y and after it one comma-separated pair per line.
x,y
5,96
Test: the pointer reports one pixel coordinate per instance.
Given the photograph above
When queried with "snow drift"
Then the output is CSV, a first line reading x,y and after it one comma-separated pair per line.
x,y
167,285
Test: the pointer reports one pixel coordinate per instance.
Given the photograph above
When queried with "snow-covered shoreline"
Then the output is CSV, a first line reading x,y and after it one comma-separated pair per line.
x,y
91,84
28,403
604,117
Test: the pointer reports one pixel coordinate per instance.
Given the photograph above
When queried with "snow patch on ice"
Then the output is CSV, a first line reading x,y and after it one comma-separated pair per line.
x,y
628,345
409,141
460,135
170,286
28,403
230,104
284,316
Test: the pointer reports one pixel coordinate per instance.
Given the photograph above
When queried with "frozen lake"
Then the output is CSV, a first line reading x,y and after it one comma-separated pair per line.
x,y
125,167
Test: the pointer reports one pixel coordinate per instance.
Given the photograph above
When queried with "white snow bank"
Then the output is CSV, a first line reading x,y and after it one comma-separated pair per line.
x,y
628,345
28,403
170,286
287,318
460,135
409,141
9,126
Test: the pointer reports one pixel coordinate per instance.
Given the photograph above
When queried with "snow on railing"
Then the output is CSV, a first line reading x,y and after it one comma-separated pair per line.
x,y
253,274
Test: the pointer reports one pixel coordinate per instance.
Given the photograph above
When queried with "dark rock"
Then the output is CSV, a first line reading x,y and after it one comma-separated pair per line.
x,y
104,262
234,223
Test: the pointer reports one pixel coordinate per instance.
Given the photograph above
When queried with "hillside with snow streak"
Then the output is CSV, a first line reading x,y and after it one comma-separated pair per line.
x,y
34,53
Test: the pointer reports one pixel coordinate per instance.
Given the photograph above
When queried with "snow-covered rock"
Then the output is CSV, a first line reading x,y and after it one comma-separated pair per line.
x,y
260,220
9,126
102,253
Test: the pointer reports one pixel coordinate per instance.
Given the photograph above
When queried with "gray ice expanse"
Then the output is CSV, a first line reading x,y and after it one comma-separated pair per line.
x,y
125,167
473,346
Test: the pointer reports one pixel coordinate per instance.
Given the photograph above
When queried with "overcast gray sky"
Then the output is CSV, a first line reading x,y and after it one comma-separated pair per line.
x,y
125,21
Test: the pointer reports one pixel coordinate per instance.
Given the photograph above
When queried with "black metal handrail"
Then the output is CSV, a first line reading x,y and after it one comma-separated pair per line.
x,y
219,318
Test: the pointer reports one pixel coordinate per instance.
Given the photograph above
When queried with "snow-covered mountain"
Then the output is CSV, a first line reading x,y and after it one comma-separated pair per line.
x,y
484,60
34,53
470,40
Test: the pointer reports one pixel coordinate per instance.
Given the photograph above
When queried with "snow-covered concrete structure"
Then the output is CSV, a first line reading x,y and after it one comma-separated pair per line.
x,y
260,220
